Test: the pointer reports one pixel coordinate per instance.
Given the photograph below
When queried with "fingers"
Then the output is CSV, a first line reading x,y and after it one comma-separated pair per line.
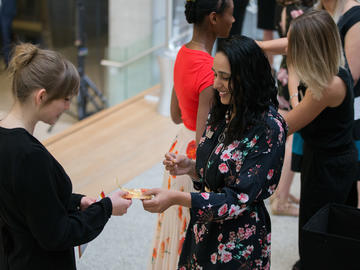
x,y
152,191
122,193
152,206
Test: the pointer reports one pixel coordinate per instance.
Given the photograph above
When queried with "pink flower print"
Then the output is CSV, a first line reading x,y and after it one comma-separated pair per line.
x,y
233,145
205,195
236,155
223,209
225,156
217,151
253,141
200,212
268,238
223,168
241,233
220,237
266,251
296,13
248,251
226,257
279,125
232,236
248,233
243,197
254,215
234,210
182,268
213,258
230,245
258,262
270,174
238,166
221,248
282,76
271,189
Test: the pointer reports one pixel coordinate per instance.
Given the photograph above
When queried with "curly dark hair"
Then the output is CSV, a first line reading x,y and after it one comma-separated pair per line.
x,y
251,84
196,10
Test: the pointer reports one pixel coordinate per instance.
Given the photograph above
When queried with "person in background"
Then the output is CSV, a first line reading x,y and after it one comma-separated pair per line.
x,y
283,202
266,20
7,14
324,115
41,220
346,14
190,104
238,165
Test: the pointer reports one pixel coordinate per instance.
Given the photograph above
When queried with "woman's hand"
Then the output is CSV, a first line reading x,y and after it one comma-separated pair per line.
x,y
162,200
177,164
86,202
119,204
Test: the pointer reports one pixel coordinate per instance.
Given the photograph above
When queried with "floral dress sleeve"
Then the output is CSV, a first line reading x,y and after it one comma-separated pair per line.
x,y
249,169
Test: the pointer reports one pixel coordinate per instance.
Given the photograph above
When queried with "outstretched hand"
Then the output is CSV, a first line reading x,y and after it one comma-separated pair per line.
x,y
177,164
161,201
119,204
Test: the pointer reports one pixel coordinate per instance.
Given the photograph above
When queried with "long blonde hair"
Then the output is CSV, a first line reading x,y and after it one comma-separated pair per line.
x,y
314,50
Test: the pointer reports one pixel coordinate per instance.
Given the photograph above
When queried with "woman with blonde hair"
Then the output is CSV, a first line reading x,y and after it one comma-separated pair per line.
x,y
324,115
346,14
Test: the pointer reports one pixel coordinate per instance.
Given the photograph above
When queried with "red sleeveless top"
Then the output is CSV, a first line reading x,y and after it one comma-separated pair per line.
x,y
192,74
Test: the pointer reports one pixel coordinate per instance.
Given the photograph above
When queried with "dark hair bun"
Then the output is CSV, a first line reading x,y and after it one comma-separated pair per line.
x,y
190,11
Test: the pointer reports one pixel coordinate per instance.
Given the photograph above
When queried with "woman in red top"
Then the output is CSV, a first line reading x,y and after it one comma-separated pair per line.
x,y
190,104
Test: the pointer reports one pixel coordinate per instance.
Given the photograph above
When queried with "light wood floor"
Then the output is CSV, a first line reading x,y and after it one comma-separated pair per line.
x,y
113,146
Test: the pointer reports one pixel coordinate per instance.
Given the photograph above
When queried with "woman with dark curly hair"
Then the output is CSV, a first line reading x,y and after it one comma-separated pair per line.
x,y
190,104
238,165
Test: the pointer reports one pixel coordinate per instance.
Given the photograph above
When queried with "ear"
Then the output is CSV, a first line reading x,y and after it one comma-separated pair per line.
x,y
40,96
213,18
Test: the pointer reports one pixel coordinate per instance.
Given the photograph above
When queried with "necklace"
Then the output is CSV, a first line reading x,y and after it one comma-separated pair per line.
x,y
222,136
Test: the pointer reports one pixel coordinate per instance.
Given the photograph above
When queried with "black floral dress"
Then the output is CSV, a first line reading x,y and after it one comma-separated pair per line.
x,y
230,226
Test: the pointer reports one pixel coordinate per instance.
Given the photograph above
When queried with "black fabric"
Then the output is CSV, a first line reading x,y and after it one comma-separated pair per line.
x,y
239,15
42,217
332,238
332,128
266,14
296,162
329,164
325,177
349,18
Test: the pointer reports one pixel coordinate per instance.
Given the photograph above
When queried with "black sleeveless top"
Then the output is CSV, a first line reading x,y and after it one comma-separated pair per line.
x,y
349,18
332,128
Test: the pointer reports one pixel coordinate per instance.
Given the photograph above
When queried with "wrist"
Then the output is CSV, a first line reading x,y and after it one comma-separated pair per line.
x,y
293,95
192,171
181,198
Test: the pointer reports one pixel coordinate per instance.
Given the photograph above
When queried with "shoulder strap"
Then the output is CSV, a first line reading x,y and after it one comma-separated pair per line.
x,y
351,17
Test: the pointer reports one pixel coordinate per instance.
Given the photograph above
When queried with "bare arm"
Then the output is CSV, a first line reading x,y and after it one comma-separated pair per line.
x,y
205,100
175,111
309,108
275,46
293,83
352,51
